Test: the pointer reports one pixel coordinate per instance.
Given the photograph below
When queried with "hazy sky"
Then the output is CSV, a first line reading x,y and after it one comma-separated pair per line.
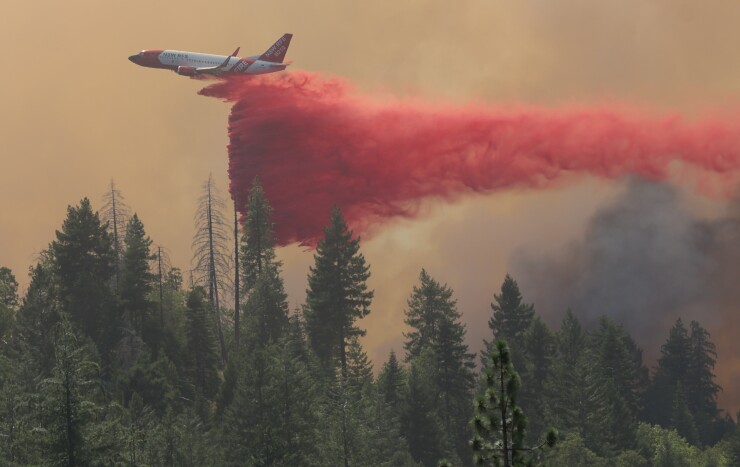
x,y
76,113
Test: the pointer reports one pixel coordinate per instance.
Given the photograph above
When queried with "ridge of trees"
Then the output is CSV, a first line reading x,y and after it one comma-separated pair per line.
x,y
108,358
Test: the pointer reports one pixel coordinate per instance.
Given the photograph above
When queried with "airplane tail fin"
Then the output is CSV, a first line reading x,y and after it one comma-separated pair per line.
x,y
276,53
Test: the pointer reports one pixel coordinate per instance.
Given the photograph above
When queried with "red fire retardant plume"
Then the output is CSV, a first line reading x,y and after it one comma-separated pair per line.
x,y
315,142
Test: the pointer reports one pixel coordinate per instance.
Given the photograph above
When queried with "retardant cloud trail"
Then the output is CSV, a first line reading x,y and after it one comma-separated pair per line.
x,y
316,141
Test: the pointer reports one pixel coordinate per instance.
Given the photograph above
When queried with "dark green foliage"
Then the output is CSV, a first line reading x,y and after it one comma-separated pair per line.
x,y
430,303
392,382
267,307
615,382
156,383
511,319
258,243
73,419
202,359
671,371
136,280
499,424
8,288
273,418
419,424
85,263
38,315
733,445
682,419
257,246
436,328
565,392
539,345
687,361
571,451
337,293
297,392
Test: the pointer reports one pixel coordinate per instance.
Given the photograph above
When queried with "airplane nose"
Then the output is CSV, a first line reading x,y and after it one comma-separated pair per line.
x,y
134,58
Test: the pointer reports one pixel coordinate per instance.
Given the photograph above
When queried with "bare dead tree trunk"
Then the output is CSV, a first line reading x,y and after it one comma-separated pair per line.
x,y
236,277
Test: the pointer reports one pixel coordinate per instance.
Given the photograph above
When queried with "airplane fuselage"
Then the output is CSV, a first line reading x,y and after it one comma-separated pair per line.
x,y
186,63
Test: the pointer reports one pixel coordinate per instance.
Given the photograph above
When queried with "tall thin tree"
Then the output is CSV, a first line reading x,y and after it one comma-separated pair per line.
x,y
211,255
116,213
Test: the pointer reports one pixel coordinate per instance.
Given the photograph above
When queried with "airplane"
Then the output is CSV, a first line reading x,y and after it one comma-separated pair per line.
x,y
193,63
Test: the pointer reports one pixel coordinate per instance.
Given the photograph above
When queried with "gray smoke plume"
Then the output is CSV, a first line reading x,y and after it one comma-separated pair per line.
x,y
645,260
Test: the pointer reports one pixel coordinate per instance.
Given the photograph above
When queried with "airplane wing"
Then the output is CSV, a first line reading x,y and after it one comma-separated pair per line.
x,y
215,70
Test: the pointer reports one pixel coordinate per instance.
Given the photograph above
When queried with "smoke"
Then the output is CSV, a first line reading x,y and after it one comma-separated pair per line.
x,y
647,259
316,141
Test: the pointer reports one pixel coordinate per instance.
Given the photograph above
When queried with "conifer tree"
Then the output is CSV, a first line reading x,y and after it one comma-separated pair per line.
x,y
436,327
539,345
337,293
116,213
8,288
671,372
258,242
499,424
267,306
699,384
136,283
681,418
419,423
430,304
202,359
733,447
257,245
511,319
86,261
211,256
566,390
615,384
392,382
69,404
273,418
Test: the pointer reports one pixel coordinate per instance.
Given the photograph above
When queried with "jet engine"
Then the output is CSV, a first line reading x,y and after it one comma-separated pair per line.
x,y
186,70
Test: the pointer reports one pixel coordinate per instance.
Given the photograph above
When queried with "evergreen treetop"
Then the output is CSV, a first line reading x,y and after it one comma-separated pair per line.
x,y
337,294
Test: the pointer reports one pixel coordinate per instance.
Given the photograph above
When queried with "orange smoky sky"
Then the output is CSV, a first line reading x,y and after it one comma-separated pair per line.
x,y
76,113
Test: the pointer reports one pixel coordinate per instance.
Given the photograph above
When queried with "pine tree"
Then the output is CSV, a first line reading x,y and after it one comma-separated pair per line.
x,y
671,372
273,418
8,288
565,385
455,381
211,257
359,369
8,300
419,424
137,281
337,293
681,418
733,448
392,382
267,307
499,424
116,214
85,260
38,315
435,326
511,319
202,359
69,406
615,384
430,303
258,243
701,389
539,345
